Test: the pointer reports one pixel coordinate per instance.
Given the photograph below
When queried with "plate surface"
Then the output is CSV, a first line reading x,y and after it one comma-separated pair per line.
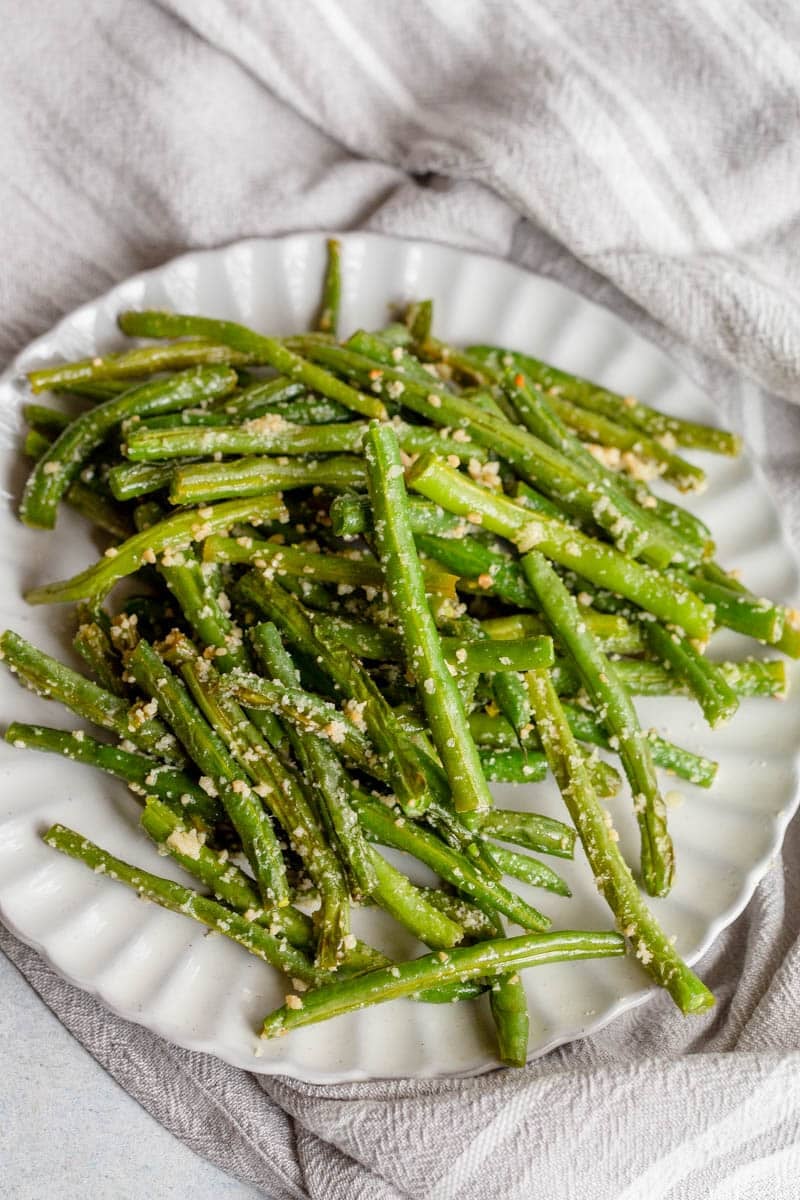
x,y
207,994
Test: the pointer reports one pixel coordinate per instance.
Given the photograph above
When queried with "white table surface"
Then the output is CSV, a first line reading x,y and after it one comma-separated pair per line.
x,y
69,1131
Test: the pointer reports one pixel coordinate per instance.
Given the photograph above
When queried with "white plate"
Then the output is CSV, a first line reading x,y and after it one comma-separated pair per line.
x,y
204,992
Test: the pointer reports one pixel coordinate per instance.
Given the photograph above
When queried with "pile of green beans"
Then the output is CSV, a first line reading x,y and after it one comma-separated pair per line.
x,y
371,577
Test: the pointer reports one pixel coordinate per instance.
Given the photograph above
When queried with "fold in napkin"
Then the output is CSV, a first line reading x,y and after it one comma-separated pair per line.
x,y
646,155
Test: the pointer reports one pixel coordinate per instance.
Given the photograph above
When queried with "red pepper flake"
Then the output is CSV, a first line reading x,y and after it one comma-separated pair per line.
x,y
519,381
375,373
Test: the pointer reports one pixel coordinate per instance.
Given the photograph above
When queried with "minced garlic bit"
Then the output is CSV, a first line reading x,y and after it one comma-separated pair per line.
x,y
487,474
674,799
186,842
292,1001
530,536
336,731
639,468
354,711
609,456
269,423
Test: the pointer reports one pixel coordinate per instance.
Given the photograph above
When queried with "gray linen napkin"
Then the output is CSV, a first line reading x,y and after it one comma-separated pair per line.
x,y
646,156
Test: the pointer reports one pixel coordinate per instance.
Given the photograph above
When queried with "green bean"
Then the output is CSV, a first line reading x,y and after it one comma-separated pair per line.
x,y
752,677
689,528
511,697
513,766
172,534
756,618
98,389
128,481
221,876
410,906
464,654
197,591
194,417
625,409
328,320
528,497
279,397
260,435
703,679
634,445
174,787
495,733
262,349
54,681
423,651
351,515
272,433
400,756
94,646
788,640
361,638
692,767
49,422
280,789
651,946
319,760
276,951
279,560
509,1007
419,320
614,511
311,714
617,712
601,564
473,920
613,632
201,483
221,774
530,870
60,465
143,360
531,830
466,962
381,824
97,508
521,655
384,352
495,573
